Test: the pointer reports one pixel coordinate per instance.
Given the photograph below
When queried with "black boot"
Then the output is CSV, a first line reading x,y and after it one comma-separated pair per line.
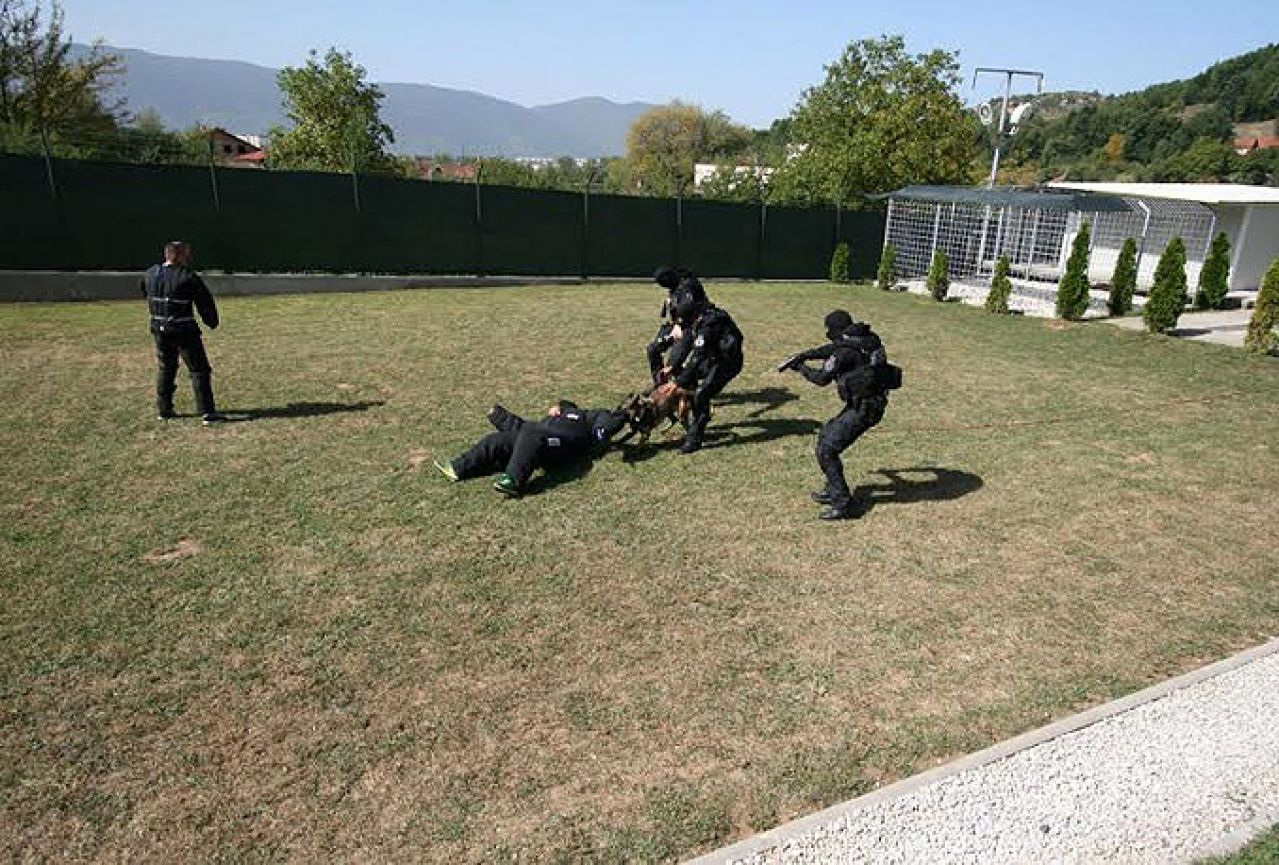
x,y
693,438
822,497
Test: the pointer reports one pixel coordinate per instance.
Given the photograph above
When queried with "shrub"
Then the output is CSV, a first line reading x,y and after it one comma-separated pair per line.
x,y
1214,278
886,278
1072,294
1265,318
1168,296
1124,282
939,276
1001,287
839,264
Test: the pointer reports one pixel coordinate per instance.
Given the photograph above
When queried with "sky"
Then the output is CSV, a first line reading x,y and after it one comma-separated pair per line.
x,y
750,59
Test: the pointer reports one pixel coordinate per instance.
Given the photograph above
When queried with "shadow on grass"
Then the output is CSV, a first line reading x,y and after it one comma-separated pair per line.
x,y
300,409
933,485
767,398
759,431
550,478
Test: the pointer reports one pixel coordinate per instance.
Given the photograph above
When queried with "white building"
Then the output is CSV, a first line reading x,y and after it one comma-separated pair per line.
x,y
1196,212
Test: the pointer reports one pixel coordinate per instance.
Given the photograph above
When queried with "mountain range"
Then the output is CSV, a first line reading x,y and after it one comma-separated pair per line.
x,y
244,98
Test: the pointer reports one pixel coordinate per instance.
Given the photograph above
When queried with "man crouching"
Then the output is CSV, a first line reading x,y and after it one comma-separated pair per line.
x,y
519,447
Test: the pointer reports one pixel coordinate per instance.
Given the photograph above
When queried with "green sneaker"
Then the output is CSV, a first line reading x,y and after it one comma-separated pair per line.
x,y
446,469
505,484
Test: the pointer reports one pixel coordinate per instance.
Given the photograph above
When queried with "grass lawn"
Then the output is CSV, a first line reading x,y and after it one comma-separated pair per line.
x,y
290,638
1262,851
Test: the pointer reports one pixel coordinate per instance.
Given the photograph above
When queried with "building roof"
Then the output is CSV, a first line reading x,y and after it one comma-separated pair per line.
x,y
1203,193
1029,198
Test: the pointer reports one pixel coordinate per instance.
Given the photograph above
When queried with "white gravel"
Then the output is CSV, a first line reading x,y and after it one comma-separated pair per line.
x,y
1190,774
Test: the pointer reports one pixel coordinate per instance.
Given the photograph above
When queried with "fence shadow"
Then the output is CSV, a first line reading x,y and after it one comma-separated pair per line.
x,y
300,410
934,485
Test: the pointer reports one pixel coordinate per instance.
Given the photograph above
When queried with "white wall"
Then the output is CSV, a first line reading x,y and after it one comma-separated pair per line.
x,y
1258,225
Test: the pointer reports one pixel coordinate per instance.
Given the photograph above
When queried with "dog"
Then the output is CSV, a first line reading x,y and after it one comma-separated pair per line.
x,y
664,402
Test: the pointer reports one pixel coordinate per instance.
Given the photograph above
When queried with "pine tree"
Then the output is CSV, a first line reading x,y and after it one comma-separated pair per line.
x,y
1124,282
1261,335
1001,288
1214,277
1168,296
887,275
1072,293
939,276
839,264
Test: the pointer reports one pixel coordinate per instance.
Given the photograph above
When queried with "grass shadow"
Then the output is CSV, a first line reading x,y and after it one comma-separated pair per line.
x,y
550,478
768,399
943,485
760,431
300,410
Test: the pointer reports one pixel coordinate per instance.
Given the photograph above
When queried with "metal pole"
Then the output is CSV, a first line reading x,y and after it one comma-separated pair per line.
x,y
586,224
1034,238
888,224
679,224
999,131
355,181
213,178
479,221
759,245
48,162
932,254
1145,228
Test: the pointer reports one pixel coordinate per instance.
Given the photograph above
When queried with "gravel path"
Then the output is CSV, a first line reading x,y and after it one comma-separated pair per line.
x,y
1192,773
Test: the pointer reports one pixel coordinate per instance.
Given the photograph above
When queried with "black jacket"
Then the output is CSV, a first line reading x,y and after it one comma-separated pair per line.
x,y
175,294
849,361
713,339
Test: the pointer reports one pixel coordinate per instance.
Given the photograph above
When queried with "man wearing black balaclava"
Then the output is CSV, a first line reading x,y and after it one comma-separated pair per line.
x,y
668,333
855,359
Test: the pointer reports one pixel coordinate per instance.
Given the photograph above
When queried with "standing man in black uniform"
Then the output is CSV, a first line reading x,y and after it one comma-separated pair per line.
x,y
672,279
706,359
519,447
175,294
855,359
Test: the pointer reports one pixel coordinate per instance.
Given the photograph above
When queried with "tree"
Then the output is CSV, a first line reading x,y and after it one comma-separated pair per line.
x,y
336,121
41,86
1001,288
1168,295
1214,276
1124,282
839,264
939,276
1115,147
882,119
1072,293
886,277
1261,336
664,143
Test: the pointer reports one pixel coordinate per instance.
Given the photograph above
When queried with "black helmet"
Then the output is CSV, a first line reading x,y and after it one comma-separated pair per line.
x,y
688,302
837,321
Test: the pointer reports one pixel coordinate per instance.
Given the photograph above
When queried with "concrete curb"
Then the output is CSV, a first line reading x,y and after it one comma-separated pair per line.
x,y
782,834
42,286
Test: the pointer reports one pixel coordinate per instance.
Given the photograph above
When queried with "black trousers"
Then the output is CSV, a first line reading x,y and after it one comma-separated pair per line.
x,y
519,448
709,388
657,350
190,347
836,436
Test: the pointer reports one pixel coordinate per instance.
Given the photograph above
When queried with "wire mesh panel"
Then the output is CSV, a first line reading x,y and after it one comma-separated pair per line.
x,y
1152,223
975,237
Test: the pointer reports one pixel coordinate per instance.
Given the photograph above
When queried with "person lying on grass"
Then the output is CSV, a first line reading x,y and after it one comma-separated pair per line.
x,y
519,447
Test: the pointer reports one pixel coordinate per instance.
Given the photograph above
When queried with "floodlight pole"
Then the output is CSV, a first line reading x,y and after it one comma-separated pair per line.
x,y
1008,74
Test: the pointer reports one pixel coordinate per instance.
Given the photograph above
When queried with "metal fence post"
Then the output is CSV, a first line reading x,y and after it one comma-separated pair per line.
x,y
479,221
213,178
586,225
759,244
679,225
355,179
48,161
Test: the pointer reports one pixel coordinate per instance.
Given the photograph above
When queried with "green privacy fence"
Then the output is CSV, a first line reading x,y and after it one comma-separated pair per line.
x,y
67,214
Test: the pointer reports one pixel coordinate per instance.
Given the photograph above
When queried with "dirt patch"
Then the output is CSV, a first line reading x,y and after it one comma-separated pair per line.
x,y
184,549
417,458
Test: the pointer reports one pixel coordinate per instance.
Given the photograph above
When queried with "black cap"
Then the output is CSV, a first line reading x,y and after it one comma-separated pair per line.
x,y
688,303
